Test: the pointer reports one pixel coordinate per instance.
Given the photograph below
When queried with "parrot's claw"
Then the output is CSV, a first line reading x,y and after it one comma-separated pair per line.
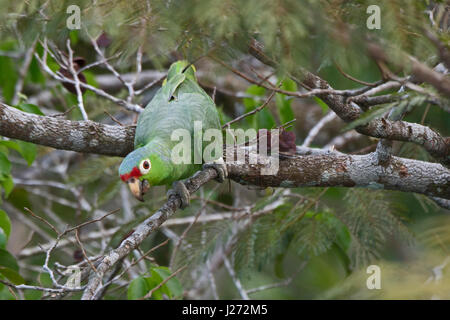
x,y
220,167
179,189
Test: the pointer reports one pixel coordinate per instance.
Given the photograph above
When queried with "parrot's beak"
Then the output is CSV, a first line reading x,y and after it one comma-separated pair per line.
x,y
138,188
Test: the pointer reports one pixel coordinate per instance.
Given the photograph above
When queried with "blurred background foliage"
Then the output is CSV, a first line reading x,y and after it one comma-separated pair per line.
x,y
316,242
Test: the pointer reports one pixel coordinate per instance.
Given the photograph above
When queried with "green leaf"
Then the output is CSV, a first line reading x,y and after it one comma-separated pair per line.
x,y
322,105
8,77
153,282
5,294
27,151
278,266
73,34
35,74
3,239
30,108
5,165
256,90
45,280
9,267
174,286
8,261
12,275
33,294
265,120
8,185
283,101
10,144
137,289
90,79
5,223
141,286
252,103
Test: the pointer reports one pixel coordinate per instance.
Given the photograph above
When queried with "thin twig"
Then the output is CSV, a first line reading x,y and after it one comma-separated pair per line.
x,y
149,294
235,279
83,250
42,219
266,102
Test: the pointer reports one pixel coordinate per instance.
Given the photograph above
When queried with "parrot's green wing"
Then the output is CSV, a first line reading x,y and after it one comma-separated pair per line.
x,y
171,86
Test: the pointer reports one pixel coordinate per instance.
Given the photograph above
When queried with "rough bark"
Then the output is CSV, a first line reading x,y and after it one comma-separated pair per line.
x,y
312,168
433,142
80,136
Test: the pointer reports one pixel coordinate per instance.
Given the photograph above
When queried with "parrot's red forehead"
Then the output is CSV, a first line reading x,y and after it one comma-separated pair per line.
x,y
135,173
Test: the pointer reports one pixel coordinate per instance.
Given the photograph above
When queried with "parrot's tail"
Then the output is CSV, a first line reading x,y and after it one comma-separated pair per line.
x,y
182,67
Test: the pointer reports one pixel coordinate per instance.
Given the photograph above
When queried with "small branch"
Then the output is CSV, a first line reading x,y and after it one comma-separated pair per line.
x,y
266,102
50,290
149,294
142,232
23,72
83,250
284,283
235,279
353,78
42,219
77,82
315,130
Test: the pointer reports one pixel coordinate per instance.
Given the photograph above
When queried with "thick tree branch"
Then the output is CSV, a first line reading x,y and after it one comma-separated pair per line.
x,y
80,136
434,143
313,168
331,169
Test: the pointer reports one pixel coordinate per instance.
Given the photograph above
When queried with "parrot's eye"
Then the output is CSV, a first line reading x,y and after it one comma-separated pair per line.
x,y
145,166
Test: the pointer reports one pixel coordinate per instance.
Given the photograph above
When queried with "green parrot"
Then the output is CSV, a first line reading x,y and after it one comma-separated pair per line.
x,y
177,105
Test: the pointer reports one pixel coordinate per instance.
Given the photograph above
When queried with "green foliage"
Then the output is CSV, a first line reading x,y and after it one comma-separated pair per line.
x,y
9,267
398,108
322,105
5,223
366,117
92,170
345,229
8,74
262,119
25,149
141,286
30,108
372,220
291,225
283,101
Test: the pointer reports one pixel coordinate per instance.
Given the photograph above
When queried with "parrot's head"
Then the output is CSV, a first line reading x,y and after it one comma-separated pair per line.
x,y
139,170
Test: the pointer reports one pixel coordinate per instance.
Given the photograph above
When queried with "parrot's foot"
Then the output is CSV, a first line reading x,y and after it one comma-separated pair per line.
x,y
220,167
179,189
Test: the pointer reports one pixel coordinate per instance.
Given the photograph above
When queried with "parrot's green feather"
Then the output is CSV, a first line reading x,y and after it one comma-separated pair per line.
x,y
172,85
177,105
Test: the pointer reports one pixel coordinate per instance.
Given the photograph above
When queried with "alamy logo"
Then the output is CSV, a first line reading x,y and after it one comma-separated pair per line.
x,y
74,280
252,147
373,281
73,22
374,20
